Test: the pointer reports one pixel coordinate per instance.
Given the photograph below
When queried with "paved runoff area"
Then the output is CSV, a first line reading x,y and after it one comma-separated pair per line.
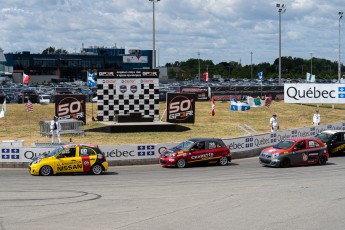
x,y
243,195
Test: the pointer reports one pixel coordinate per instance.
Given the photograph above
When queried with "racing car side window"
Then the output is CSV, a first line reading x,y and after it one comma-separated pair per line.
x,y
87,152
313,144
212,145
301,145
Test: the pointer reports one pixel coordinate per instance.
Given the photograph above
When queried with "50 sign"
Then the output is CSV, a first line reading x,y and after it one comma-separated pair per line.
x,y
70,106
181,108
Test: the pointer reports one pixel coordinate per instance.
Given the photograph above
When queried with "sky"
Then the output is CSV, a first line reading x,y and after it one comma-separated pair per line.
x,y
243,31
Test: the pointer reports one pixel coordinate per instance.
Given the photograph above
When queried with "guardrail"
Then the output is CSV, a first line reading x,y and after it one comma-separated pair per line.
x,y
70,126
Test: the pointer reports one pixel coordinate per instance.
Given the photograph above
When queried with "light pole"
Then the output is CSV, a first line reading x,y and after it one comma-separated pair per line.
x,y
311,64
251,65
339,63
281,10
153,34
199,65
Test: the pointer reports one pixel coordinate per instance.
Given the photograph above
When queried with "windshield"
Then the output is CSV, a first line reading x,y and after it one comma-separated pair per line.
x,y
325,137
186,145
55,151
285,144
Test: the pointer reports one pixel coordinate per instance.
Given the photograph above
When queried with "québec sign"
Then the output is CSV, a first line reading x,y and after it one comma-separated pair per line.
x,y
314,93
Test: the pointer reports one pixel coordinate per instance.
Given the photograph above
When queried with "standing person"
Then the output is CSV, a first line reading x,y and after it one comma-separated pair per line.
x,y
55,128
316,118
274,123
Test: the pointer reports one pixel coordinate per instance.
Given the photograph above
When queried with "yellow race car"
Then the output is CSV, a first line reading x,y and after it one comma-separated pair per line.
x,y
70,158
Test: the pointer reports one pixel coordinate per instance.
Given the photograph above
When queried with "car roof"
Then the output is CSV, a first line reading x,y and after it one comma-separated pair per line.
x,y
302,138
332,131
204,139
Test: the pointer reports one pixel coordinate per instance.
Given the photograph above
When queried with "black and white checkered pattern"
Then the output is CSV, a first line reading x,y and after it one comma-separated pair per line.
x,y
111,102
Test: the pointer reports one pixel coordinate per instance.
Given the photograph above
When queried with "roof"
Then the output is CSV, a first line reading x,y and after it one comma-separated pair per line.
x,y
332,131
204,139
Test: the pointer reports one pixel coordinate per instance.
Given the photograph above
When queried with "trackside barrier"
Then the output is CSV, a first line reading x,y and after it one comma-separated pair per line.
x,y
14,154
70,126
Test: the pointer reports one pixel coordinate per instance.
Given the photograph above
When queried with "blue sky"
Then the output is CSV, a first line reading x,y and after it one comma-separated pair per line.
x,y
221,30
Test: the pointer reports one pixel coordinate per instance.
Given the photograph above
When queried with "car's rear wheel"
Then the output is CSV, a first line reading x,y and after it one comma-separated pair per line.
x,y
223,161
322,160
285,163
96,169
181,163
46,170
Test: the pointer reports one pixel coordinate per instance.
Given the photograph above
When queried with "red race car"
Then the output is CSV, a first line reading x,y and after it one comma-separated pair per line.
x,y
196,150
295,151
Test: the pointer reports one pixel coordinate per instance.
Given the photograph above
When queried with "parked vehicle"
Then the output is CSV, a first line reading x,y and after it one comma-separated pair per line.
x,y
26,94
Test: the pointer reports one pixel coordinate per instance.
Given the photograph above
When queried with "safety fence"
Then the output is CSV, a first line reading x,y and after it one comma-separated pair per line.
x,y
70,126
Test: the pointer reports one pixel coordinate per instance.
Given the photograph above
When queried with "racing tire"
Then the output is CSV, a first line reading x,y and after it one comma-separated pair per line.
x,y
96,169
285,163
46,170
181,163
322,160
223,161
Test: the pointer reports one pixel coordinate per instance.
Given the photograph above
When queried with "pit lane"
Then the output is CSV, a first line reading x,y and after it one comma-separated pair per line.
x,y
243,195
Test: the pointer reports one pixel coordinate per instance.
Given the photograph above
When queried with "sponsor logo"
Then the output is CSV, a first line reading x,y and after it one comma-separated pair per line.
x,y
305,157
86,163
180,108
123,88
205,155
134,88
312,92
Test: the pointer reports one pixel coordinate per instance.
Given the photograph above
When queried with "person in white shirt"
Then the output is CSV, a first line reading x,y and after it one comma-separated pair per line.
x,y
55,128
274,123
316,118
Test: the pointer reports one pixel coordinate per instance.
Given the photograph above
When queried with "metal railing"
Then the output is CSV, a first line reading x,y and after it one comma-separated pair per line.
x,y
70,126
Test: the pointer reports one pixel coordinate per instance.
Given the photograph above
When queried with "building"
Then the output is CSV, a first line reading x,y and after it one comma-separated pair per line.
x,y
72,67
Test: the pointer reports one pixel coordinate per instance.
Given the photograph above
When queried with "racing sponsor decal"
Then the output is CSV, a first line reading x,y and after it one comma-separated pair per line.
x,y
202,156
180,108
304,157
338,148
123,88
69,166
86,163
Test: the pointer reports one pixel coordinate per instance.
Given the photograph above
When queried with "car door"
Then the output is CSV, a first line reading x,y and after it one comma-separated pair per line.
x,y
69,161
337,143
216,149
313,151
298,155
198,152
88,157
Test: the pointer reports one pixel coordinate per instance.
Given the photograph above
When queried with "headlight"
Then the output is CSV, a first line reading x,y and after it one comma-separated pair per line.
x,y
36,161
275,155
172,155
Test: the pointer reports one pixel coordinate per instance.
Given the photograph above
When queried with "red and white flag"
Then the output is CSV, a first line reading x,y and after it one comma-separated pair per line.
x,y
205,76
26,79
29,106
213,105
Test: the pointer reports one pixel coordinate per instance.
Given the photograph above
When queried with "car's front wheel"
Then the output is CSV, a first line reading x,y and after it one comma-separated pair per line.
x,y
46,170
223,161
285,163
96,170
322,160
181,163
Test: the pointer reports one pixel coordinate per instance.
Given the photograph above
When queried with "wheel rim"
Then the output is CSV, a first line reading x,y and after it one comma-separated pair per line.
x,y
322,160
181,163
97,169
223,161
45,171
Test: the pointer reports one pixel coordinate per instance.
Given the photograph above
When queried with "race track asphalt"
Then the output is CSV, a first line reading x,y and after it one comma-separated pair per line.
x,y
243,195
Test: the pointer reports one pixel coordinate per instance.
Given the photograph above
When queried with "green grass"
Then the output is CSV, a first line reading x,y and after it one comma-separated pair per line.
x,y
18,124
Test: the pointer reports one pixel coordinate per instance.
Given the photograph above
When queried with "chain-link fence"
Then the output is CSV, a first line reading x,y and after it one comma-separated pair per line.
x,y
70,126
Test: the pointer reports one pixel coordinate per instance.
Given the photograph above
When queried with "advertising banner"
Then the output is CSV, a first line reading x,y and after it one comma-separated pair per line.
x,y
71,107
181,108
314,93
134,59
19,154
202,92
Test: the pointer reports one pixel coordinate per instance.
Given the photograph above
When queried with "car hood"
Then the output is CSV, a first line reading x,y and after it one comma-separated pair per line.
x,y
272,150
